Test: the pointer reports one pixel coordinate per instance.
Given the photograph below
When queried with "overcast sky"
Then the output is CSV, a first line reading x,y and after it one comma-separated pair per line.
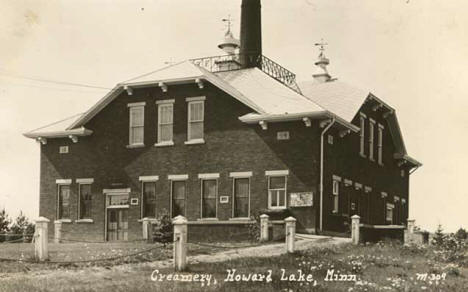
x,y
412,54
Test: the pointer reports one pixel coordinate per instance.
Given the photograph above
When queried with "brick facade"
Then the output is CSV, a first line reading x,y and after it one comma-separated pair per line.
x,y
230,146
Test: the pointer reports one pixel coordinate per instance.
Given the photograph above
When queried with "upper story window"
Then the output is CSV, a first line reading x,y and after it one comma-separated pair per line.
x,y
63,199
85,198
371,139
277,185
196,116
380,144
137,123
165,121
362,121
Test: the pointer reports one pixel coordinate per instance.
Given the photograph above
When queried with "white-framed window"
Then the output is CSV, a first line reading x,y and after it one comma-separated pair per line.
x,y
380,144
277,186
336,195
362,123
241,197
178,197
389,213
371,139
209,197
63,198
196,117
148,195
85,198
136,123
165,121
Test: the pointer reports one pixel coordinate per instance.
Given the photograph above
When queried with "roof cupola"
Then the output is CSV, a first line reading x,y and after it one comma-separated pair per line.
x,y
321,73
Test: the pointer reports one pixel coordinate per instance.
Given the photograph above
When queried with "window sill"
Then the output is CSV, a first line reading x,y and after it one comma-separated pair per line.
x,y
135,146
84,221
164,144
240,219
207,219
147,219
277,208
63,221
194,142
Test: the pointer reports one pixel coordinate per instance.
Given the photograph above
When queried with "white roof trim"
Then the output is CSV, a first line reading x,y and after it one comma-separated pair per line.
x,y
276,172
59,134
240,174
208,175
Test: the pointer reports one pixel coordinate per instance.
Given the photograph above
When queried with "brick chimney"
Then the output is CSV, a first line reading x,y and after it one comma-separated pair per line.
x,y
250,34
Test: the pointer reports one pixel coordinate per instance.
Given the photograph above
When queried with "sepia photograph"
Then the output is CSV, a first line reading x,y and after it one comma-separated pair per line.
x,y
233,145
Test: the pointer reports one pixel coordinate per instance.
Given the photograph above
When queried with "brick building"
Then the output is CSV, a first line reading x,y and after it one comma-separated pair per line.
x,y
221,139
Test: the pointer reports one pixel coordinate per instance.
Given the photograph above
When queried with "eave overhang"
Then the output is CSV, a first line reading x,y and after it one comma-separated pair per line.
x,y
79,132
253,118
407,159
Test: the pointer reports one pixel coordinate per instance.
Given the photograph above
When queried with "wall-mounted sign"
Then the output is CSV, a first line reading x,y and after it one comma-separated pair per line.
x,y
224,199
304,199
282,135
63,149
134,201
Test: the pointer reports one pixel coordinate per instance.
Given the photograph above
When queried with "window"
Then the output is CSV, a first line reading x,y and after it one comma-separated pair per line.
x,y
241,198
178,191
63,202
371,139
195,118
277,192
361,134
209,198
149,199
85,201
389,213
330,139
165,121
336,192
137,121
380,144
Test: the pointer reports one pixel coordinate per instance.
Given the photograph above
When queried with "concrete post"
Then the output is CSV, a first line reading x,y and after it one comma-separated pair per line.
x,y
57,231
146,222
25,236
264,227
180,243
355,229
410,226
41,251
290,226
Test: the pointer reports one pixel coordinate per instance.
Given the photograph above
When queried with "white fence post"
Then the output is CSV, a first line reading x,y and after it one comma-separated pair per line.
x,y
290,223
41,251
57,231
411,225
146,222
180,243
264,227
355,229
409,232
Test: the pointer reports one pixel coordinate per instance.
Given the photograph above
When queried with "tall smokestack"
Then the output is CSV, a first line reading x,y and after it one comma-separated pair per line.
x,y
250,34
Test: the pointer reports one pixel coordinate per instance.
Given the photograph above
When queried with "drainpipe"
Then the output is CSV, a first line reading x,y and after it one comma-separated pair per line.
x,y
321,171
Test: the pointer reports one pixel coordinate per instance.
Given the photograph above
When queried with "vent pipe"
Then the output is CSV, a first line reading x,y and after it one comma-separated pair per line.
x,y
251,34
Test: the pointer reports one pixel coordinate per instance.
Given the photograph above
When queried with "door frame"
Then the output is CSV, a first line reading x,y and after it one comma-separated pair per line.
x,y
113,192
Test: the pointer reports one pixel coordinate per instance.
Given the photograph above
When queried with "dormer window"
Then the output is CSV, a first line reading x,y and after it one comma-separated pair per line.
x,y
196,116
362,120
136,124
165,122
371,139
380,144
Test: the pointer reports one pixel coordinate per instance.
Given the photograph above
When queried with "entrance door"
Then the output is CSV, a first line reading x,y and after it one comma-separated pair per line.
x,y
117,224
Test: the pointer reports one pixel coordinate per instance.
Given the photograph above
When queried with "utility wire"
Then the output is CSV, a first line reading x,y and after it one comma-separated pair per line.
x,y
48,88
40,79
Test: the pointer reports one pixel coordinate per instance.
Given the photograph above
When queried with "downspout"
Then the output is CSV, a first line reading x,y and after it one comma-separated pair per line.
x,y
321,171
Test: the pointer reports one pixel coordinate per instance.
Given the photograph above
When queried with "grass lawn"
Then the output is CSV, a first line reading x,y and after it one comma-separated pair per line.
x,y
378,267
